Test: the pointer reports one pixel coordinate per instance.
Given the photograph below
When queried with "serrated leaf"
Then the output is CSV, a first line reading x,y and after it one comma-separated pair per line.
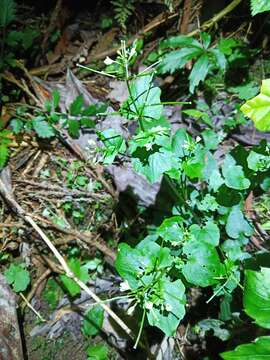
x,y
43,128
73,128
258,108
237,225
76,106
257,350
17,125
219,58
93,321
97,352
175,60
258,162
18,276
199,71
203,266
259,6
234,174
257,296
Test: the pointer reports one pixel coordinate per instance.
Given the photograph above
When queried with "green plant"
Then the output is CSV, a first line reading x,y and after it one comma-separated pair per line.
x,y
202,243
97,352
18,276
123,9
207,58
5,141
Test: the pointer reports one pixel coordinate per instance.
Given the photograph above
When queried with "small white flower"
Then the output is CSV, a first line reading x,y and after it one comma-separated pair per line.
x,y
168,307
148,305
132,52
130,310
108,61
198,139
124,286
148,146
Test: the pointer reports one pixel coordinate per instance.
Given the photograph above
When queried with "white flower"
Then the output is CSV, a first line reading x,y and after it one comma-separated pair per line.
x,y
148,146
131,309
124,286
168,307
148,305
108,61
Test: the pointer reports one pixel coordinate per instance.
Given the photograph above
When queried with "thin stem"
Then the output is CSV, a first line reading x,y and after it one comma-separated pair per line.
x,y
96,71
140,330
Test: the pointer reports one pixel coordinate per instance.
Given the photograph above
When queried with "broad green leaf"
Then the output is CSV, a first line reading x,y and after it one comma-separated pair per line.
x,y
245,91
215,180
226,46
194,165
237,225
144,100
203,116
171,231
174,300
257,350
208,234
199,71
80,271
258,108
76,106
18,276
234,174
97,352
203,266
93,320
206,39
211,139
257,296
179,140
259,6
175,60
43,128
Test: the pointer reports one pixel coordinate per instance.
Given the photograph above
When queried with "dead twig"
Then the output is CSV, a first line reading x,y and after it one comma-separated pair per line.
x,y
27,218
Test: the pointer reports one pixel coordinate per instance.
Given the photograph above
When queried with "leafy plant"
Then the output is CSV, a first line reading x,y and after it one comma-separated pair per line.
x,y
122,9
258,108
97,352
18,277
93,320
202,242
259,350
206,58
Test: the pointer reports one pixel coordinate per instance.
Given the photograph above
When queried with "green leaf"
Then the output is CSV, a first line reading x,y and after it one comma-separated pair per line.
x,y
76,106
80,271
114,143
43,128
208,234
18,277
179,140
219,57
257,350
258,108
259,6
257,296
237,225
175,60
245,91
145,99
171,231
7,13
73,128
97,352
203,266
234,175
214,325
211,139
17,125
258,162
206,39
174,299
199,71
3,155
93,321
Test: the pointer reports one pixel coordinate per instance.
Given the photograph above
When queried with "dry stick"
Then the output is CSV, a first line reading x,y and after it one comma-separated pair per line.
x,y
186,16
19,210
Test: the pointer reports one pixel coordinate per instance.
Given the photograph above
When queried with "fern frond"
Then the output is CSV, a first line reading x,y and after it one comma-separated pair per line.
x,y
123,9
7,12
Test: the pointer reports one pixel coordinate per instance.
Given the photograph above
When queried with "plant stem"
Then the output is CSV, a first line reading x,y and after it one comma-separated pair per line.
x,y
140,330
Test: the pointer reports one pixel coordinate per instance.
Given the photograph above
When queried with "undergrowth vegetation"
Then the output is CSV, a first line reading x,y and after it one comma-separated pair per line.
x,y
203,239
